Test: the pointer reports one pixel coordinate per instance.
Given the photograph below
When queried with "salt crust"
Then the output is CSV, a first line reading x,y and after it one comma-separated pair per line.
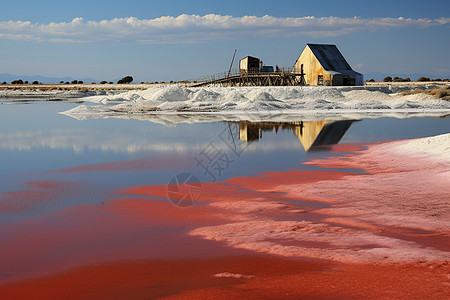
x,y
256,100
232,275
401,193
438,146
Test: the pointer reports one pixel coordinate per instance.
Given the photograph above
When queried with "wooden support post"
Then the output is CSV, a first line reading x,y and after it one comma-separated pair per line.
x,y
231,65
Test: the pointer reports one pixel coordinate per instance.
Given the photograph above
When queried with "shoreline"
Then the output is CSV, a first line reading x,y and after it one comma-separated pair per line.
x,y
89,87
85,87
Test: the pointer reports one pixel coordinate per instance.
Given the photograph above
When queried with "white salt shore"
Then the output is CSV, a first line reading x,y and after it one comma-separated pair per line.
x,y
388,215
250,102
438,146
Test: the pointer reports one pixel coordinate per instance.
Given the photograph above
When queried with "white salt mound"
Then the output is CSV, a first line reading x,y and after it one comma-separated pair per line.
x,y
435,145
173,98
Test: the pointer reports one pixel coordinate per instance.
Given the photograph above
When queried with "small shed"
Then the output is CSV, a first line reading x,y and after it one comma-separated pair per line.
x,y
250,65
325,65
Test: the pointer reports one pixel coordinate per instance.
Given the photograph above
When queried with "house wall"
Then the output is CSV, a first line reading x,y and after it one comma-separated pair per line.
x,y
347,80
338,80
327,78
359,80
312,68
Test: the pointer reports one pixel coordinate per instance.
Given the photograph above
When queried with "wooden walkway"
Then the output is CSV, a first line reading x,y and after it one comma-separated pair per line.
x,y
258,79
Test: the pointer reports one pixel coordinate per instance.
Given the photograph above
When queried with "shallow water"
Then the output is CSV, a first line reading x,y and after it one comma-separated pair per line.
x,y
35,141
53,167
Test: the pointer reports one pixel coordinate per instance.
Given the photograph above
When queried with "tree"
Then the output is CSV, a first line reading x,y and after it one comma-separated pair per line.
x,y
423,79
126,79
399,79
387,79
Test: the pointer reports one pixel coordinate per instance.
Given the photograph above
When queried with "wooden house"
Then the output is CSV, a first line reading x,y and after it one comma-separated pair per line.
x,y
325,65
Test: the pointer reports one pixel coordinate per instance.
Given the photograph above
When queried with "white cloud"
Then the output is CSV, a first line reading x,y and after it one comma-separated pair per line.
x,y
195,28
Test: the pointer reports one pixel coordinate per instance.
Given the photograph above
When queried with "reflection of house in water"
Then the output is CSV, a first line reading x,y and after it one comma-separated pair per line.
x,y
321,133
312,135
249,132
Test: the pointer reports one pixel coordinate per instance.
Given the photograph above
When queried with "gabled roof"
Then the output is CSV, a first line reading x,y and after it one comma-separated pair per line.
x,y
329,57
250,57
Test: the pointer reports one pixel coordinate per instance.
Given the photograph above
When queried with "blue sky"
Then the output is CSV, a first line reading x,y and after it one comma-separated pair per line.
x,y
175,40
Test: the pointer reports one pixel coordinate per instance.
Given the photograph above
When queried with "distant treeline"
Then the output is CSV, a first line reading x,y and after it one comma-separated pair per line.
x,y
124,80
399,79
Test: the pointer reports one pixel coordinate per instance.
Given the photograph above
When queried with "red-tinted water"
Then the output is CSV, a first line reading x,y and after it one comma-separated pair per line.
x,y
261,230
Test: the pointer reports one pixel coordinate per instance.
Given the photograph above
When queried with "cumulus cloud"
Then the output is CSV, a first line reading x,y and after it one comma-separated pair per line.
x,y
195,28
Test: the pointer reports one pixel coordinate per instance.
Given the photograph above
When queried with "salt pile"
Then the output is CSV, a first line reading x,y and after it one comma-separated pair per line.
x,y
258,100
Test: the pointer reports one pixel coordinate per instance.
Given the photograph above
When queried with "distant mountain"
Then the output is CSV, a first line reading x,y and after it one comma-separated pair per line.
x,y
43,79
377,76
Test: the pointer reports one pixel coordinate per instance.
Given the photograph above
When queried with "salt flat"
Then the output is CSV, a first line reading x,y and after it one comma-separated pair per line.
x,y
259,103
